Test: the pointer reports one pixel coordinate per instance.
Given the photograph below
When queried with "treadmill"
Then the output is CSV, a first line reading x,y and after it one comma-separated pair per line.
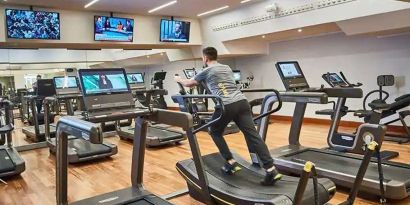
x,y
78,150
118,105
208,184
339,167
67,90
11,163
158,134
36,133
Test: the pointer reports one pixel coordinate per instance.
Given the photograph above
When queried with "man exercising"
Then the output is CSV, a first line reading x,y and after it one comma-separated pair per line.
x,y
219,80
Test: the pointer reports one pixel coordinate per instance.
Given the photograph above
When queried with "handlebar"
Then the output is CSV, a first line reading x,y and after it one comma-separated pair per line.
x,y
271,111
181,99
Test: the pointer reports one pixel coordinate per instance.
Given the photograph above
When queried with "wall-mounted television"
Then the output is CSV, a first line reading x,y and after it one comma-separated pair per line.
x,y
113,29
25,24
174,31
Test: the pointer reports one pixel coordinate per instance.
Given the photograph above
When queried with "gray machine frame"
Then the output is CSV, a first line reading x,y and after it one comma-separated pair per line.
x,y
157,134
89,131
76,145
14,156
397,175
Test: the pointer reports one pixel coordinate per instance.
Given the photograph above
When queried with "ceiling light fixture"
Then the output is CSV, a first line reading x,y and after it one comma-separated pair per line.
x,y
91,3
162,6
212,11
244,1
300,30
263,36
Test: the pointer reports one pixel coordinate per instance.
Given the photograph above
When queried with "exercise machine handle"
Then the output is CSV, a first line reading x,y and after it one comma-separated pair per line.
x,y
182,99
273,110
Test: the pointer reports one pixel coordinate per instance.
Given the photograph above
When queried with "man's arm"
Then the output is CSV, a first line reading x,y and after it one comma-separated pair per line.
x,y
186,82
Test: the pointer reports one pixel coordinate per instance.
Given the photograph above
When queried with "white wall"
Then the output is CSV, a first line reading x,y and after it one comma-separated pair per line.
x,y
361,59
351,10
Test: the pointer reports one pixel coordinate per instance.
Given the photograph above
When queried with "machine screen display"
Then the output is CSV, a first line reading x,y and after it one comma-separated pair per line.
x,y
104,81
237,75
65,82
135,78
290,70
335,79
189,73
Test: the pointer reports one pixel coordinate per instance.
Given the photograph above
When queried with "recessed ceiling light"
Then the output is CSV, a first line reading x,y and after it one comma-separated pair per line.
x,y
212,11
162,6
300,30
263,36
244,1
91,3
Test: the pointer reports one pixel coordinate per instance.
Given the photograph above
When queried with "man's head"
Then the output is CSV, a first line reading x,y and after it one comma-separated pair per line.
x,y
209,54
38,77
177,27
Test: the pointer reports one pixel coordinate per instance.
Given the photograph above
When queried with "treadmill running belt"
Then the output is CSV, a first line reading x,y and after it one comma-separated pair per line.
x,y
349,165
6,165
246,183
87,149
342,169
163,134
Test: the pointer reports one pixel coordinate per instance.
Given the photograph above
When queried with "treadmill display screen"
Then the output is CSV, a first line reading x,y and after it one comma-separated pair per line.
x,y
135,78
237,75
104,81
189,73
335,79
65,82
290,70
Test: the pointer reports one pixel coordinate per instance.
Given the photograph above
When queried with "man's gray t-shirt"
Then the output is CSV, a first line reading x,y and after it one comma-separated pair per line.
x,y
220,81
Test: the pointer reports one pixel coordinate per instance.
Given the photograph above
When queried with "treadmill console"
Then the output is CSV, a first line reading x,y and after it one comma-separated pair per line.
x,y
334,80
189,73
45,88
292,76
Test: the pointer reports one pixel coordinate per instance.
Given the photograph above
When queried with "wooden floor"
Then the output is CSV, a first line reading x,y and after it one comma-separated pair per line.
x,y
37,184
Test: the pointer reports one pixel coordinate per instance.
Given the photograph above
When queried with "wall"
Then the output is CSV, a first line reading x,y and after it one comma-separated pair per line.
x,y
361,59
336,13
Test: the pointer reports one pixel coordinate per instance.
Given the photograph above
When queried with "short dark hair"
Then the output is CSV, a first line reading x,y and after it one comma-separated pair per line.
x,y
211,53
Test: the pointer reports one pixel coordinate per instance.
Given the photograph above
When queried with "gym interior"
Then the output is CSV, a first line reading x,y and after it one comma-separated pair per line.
x,y
118,102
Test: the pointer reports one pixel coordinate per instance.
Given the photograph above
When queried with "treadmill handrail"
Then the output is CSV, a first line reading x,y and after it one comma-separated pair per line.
x,y
278,99
181,99
46,105
81,129
8,105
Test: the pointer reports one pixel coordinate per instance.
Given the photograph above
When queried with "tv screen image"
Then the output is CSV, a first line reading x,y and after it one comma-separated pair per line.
x,y
237,75
106,82
174,31
23,24
65,82
135,78
290,70
113,29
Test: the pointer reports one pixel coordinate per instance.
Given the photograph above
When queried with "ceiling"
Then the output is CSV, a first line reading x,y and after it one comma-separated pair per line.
x,y
183,8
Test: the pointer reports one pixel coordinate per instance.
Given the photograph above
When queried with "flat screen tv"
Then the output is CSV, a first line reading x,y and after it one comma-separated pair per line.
x,y
25,24
113,29
174,31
